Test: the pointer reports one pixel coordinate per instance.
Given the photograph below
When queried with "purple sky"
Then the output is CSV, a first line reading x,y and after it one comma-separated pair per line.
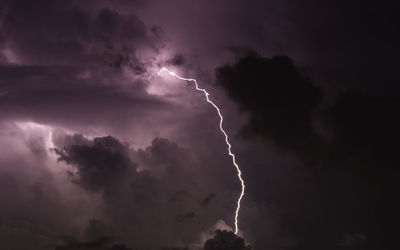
x,y
100,152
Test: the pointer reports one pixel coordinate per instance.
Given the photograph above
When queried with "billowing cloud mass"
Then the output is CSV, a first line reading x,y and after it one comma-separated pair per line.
x,y
353,134
157,194
277,95
99,151
84,149
225,240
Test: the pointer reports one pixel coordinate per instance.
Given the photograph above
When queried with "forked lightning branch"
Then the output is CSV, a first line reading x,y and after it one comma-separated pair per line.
x,y
239,172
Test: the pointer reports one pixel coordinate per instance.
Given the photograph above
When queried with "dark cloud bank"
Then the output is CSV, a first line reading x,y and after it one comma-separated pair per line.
x,y
92,159
352,139
107,166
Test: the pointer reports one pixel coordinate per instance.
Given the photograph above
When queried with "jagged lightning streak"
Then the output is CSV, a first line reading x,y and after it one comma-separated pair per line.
x,y
221,119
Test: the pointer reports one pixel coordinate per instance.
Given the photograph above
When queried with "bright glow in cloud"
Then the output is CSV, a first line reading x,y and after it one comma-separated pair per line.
x,y
38,129
239,172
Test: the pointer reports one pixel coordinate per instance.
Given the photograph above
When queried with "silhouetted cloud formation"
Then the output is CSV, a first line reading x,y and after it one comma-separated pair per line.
x,y
353,137
277,95
138,188
99,165
224,240
284,106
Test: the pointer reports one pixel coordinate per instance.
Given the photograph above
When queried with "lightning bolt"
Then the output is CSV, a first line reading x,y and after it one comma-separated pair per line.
x,y
221,119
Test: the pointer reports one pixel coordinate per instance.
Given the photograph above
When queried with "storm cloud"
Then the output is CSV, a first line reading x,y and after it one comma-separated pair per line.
x,y
99,151
224,240
276,95
351,137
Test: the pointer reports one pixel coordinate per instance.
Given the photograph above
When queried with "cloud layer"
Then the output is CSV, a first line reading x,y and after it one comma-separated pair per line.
x,y
101,152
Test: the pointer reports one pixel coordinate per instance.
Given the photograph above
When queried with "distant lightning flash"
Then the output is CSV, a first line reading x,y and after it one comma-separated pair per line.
x,y
239,172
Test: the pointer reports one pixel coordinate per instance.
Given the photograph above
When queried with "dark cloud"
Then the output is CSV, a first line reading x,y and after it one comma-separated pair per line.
x,y
224,240
139,188
317,146
341,146
99,165
279,98
62,140
75,62
285,107
99,244
60,95
45,32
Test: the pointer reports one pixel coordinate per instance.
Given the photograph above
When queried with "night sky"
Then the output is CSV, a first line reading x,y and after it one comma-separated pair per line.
x,y
100,152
